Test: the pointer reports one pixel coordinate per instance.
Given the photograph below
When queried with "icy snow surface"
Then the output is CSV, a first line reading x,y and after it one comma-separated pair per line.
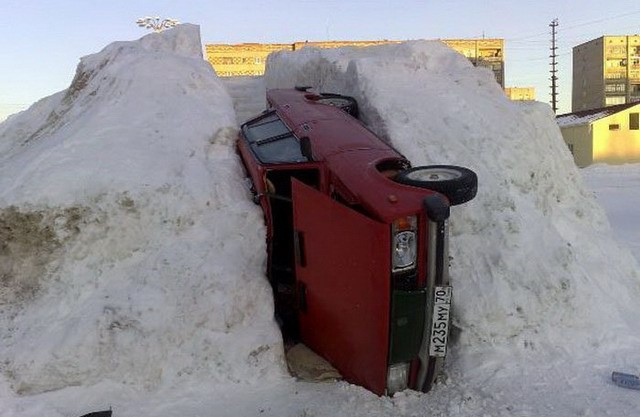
x,y
132,258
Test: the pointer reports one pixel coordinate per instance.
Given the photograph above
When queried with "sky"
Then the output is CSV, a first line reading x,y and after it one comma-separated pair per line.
x,y
41,41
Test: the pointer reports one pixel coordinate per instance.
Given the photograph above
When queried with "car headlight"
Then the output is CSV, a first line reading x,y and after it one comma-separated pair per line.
x,y
404,243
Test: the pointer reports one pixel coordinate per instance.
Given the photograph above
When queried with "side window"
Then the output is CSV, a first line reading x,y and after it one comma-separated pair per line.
x,y
266,126
634,121
272,141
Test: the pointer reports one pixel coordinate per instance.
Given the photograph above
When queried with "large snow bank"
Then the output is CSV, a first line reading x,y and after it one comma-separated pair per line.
x,y
129,250
533,261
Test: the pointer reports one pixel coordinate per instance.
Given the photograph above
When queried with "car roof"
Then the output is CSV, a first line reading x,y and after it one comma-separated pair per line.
x,y
350,151
333,129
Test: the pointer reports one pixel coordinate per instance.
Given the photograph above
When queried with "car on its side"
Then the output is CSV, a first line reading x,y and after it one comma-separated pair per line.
x,y
357,239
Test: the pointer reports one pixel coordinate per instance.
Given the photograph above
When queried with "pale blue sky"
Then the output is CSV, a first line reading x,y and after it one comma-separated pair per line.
x,y
41,41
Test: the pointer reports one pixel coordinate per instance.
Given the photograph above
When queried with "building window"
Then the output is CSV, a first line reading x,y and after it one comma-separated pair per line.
x,y
616,50
610,101
634,121
616,63
614,75
614,88
614,126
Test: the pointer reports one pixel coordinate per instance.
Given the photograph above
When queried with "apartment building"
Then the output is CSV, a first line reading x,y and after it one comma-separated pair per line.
x,y
250,58
606,72
487,53
246,59
520,93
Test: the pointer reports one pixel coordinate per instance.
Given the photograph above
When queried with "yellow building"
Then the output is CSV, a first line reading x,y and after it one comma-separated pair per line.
x,y
606,72
243,59
250,58
609,135
520,93
339,44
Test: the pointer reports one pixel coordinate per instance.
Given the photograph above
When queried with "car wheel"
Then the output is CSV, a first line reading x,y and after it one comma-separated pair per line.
x,y
346,103
458,184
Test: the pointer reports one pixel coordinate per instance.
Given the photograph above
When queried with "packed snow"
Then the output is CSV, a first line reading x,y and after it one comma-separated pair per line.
x,y
131,252
132,258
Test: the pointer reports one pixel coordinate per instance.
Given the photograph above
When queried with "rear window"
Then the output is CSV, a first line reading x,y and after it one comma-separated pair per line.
x,y
272,141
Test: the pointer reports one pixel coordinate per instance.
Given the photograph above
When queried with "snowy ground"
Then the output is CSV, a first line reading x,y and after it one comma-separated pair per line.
x,y
617,189
132,259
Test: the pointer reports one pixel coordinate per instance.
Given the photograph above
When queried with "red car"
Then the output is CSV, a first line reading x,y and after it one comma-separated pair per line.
x,y
357,239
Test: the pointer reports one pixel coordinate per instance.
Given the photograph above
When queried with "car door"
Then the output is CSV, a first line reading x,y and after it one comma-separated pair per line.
x,y
342,272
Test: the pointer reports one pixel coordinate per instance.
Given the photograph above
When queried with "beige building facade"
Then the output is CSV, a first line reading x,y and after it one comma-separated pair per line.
x,y
606,72
607,135
487,53
520,93
247,59
250,58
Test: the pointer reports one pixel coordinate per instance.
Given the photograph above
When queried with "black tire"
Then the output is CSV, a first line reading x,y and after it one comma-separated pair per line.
x,y
346,103
458,184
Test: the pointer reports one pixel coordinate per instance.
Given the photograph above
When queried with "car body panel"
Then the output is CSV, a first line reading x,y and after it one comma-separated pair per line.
x,y
346,310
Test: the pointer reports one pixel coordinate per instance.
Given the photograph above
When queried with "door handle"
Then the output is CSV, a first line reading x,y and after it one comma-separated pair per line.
x,y
299,248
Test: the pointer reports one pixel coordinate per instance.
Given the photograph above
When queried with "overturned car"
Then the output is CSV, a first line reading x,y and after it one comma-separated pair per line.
x,y
357,239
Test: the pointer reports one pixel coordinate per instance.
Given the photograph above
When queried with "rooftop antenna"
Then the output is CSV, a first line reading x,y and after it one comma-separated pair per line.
x,y
155,23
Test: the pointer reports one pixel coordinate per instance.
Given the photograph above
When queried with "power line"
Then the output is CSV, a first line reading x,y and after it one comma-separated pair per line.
x,y
604,19
586,36
541,58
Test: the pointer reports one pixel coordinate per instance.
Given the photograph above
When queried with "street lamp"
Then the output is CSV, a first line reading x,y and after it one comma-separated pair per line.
x,y
156,24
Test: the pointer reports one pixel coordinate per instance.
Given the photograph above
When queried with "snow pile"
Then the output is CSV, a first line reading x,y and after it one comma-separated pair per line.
x,y
534,264
129,250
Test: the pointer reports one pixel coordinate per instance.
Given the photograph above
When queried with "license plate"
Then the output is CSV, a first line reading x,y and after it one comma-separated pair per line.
x,y
440,322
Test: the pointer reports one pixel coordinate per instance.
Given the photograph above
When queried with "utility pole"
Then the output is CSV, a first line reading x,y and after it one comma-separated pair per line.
x,y
554,70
